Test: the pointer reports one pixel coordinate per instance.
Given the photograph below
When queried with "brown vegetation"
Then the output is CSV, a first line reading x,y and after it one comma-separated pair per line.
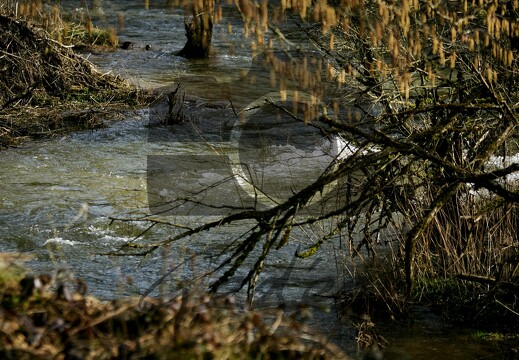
x,y
427,92
43,319
75,30
46,87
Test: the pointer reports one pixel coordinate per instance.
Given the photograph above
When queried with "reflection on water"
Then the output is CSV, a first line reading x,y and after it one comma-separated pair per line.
x,y
163,30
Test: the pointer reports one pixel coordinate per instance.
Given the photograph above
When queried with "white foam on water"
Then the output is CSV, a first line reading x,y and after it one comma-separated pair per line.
x,y
501,162
107,236
112,239
341,148
59,240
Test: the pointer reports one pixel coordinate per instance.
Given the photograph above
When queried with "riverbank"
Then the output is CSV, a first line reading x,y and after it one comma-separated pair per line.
x,y
46,88
51,317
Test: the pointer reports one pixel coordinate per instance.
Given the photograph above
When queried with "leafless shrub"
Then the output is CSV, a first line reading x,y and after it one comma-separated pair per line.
x,y
427,94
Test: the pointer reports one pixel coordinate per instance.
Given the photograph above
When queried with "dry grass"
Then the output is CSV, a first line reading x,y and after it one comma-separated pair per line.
x,y
41,318
79,33
466,265
475,233
48,83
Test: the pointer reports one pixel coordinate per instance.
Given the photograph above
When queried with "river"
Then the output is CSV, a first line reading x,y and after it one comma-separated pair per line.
x,y
58,195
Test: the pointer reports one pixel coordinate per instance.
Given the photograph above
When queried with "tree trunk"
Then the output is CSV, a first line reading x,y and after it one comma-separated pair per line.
x,y
199,33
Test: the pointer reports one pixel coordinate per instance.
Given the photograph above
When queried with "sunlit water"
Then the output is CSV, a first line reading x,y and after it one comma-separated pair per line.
x,y
57,196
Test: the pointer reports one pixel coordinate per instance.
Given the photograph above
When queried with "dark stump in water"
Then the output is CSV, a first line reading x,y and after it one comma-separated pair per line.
x,y
199,33
127,45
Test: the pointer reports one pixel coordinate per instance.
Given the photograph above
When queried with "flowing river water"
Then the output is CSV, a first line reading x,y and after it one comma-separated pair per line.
x,y
57,195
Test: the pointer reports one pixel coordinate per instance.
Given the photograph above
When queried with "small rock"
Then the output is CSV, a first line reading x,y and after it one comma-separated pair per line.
x,y
127,45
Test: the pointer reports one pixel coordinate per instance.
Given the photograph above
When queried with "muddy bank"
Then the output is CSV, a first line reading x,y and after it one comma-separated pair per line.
x,y
45,87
